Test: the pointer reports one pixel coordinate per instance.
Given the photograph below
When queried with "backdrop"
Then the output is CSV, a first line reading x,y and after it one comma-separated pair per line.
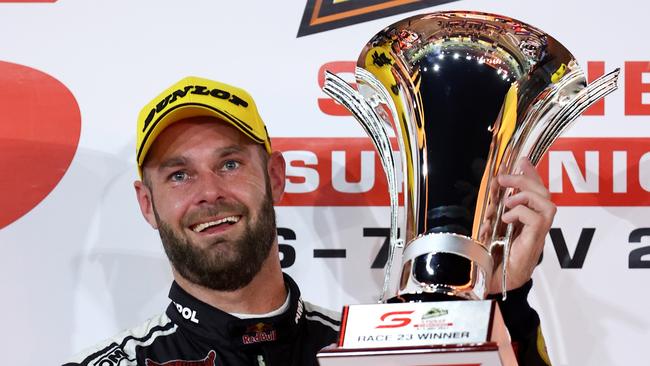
x,y
79,263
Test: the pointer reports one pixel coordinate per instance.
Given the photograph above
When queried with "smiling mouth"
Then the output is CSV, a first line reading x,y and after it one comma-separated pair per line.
x,y
230,220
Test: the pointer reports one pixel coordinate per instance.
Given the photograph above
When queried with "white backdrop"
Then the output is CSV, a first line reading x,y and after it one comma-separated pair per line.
x,y
79,264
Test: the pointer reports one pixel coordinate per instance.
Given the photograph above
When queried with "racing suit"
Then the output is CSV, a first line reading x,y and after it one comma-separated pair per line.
x,y
192,333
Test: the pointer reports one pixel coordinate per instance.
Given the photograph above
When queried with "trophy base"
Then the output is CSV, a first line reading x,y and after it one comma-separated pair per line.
x,y
449,333
485,354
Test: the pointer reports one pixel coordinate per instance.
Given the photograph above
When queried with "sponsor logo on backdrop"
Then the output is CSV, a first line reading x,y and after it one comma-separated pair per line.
x,y
598,171
637,88
39,135
323,15
578,172
207,361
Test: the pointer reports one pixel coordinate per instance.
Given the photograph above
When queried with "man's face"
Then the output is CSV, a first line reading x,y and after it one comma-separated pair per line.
x,y
210,193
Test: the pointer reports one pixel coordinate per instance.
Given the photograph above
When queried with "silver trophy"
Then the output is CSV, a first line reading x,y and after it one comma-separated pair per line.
x,y
466,94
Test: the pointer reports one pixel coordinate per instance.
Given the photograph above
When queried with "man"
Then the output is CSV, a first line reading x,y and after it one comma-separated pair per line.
x,y
209,181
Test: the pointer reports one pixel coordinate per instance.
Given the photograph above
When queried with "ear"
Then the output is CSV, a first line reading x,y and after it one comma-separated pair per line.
x,y
276,169
145,200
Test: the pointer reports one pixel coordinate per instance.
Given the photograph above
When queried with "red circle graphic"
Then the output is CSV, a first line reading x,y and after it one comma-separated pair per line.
x,y
40,125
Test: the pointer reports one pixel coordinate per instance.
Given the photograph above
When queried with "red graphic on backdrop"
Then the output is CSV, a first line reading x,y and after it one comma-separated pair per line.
x,y
40,124
578,172
635,87
328,105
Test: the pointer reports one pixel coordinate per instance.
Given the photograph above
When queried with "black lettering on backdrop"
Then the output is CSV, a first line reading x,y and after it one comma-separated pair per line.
x,y
287,251
562,250
636,256
381,232
566,259
382,255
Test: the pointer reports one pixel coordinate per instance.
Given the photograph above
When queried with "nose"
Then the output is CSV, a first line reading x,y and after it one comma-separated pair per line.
x,y
209,188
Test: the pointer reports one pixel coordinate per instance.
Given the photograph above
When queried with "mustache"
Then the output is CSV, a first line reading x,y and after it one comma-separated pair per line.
x,y
212,210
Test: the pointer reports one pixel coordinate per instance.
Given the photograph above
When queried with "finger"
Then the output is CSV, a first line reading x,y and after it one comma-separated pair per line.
x,y
534,201
524,183
533,220
526,168
484,229
526,178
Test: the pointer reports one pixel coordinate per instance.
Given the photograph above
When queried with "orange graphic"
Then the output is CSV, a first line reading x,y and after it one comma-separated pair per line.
x,y
315,19
323,15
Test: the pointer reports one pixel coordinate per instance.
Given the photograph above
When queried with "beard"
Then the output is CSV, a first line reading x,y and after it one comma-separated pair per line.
x,y
212,268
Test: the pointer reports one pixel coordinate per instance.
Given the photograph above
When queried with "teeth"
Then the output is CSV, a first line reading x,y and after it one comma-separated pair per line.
x,y
200,227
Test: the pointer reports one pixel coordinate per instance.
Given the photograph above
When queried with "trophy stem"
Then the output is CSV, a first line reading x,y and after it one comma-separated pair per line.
x,y
506,259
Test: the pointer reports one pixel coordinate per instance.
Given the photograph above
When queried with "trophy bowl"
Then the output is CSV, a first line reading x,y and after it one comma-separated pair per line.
x,y
466,94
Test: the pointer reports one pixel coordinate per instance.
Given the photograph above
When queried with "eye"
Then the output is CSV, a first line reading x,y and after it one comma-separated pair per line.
x,y
230,165
178,176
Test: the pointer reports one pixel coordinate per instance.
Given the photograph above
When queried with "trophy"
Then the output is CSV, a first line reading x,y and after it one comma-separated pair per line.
x,y
466,95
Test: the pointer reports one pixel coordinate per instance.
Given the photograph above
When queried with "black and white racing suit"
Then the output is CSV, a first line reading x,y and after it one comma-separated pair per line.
x,y
192,333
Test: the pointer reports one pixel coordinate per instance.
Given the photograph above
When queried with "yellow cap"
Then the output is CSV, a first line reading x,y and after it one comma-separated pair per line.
x,y
194,97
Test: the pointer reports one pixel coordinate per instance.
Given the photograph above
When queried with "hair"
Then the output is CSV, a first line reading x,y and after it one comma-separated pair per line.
x,y
145,178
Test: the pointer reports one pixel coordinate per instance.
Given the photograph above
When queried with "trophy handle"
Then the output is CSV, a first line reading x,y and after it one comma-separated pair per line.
x,y
535,145
561,121
376,128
